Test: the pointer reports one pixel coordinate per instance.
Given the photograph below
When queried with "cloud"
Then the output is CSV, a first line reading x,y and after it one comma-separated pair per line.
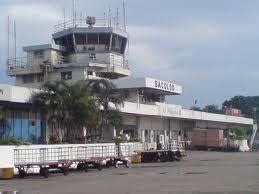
x,y
34,12
186,33
147,59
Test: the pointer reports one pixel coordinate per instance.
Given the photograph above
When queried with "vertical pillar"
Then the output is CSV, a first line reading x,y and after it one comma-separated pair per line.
x,y
151,136
114,132
74,43
143,135
166,137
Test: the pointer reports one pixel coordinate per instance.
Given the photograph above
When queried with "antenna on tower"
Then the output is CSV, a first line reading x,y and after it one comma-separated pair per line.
x,y
104,18
73,11
8,39
117,17
124,15
14,34
64,17
110,16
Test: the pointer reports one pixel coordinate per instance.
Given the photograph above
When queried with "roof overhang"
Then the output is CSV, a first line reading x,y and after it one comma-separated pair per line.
x,y
150,85
44,47
10,93
89,30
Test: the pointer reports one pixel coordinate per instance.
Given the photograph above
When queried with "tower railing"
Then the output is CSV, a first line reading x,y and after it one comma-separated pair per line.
x,y
100,22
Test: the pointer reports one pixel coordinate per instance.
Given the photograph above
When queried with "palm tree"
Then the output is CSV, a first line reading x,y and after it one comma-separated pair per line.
x,y
3,123
70,108
109,99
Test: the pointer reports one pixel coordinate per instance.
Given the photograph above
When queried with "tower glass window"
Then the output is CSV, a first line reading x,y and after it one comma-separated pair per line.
x,y
80,39
118,44
92,38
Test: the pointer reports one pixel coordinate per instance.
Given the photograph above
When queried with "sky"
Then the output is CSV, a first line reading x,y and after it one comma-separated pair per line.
x,y
211,48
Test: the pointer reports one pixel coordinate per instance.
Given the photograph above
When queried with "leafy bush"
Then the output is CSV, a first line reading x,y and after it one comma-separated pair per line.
x,y
239,133
136,139
54,139
27,143
10,141
119,139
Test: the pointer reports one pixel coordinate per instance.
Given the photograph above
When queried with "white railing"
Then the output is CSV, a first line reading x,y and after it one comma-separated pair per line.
x,y
19,62
25,62
119,61
99,22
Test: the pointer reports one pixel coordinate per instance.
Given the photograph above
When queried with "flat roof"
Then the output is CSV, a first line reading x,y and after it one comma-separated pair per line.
x,y
10,93
44,46
149,84
92,29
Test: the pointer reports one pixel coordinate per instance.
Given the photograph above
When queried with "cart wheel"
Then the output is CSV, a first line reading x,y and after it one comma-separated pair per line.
x,y
46,173
22,173
163,158
80,166
99,167
116,164
41,171
66,171
108,164
126,164
86,167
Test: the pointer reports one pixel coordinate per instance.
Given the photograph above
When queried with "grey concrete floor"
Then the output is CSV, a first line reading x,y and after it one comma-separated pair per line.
x,y
200,172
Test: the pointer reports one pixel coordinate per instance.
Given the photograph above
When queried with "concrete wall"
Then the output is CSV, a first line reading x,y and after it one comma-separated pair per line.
x,y
129,119
50,55
7,156
210,124
103,58
15,94
35,84
78,73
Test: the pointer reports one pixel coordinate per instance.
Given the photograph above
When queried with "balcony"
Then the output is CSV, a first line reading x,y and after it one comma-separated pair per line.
x,y
112,65
25,65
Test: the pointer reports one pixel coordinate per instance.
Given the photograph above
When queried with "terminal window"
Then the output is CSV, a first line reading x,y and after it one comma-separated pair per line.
x,y
66,75
28,78
38,54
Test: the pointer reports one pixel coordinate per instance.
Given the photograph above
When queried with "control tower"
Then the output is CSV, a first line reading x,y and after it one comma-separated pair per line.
x,y
88,48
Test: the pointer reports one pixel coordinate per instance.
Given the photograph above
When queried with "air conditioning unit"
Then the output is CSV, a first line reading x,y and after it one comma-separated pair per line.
x,y
90,20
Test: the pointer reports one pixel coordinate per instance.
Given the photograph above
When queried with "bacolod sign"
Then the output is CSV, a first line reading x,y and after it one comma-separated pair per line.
x,y
164,85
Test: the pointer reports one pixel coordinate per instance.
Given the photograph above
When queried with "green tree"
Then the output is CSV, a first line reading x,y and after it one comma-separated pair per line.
x,y
109,99
3,122
248,105
70,108
195,108
212,109
237,132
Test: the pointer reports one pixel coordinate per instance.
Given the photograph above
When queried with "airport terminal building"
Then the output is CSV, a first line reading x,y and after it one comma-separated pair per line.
x,y
97,49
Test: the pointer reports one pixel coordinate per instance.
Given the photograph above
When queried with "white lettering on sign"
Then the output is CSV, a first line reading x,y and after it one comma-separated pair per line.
x,y
164,85
169,110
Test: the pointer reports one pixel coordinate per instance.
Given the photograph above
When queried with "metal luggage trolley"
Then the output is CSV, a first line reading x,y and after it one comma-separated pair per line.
x,y
122,156
42,158
86,157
